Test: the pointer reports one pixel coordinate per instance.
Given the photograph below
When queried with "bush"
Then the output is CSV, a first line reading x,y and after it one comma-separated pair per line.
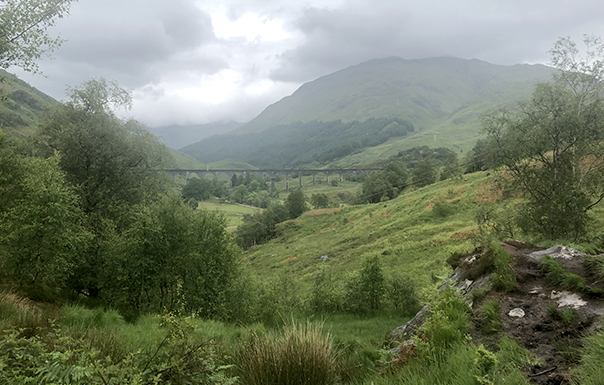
x,y
326,296
299,354
400,292
365,290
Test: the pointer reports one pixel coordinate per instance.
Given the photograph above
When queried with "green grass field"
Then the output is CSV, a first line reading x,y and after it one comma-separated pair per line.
x,y
233,212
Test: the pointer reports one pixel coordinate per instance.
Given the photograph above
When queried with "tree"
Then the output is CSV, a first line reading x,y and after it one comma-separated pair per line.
x,y
23,31
112,163
41,232
365,290
199,189
424,173
172,258
552,145
296,203
319,201
386,184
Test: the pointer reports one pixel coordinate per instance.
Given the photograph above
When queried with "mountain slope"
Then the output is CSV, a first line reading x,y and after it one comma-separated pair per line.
x,y
442,98
416,90
21,105
179,136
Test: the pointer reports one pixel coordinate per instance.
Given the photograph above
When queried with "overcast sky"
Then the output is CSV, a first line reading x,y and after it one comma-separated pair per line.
x,y
190,62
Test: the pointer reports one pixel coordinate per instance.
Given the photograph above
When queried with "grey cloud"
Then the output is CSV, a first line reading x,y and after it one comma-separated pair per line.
x,y
503,33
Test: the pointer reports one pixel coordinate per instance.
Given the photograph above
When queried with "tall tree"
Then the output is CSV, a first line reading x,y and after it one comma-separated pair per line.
x,y
553,144
111,163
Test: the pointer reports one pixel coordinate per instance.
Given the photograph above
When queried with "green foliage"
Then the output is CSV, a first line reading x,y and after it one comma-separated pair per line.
x,y
41,230
591,371
566,315
558,164
443,209
56,358
24,38
488,317
327,294
296,203
424,173
111,162
275,300
260,227
504,277
387,183
446,325
557,275
402,294
300,354
365,290
202,189
494,259
319,201
172,258
594,266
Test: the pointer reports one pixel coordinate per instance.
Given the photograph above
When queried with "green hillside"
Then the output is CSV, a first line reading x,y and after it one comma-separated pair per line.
x,y
442,98
414,233
20,105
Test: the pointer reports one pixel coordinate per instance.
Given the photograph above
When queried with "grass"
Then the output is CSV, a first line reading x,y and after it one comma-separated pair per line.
x,y
403,232
595,267
488,317
297,354
233,212
557,275
591,370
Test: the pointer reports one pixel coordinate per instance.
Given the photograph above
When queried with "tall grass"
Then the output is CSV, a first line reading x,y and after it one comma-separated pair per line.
x,y
20,313
591,370
298,354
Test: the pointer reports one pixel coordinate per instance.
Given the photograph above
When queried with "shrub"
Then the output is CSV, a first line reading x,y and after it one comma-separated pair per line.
x,y
365,290
447,324
400,292
299,354
326,295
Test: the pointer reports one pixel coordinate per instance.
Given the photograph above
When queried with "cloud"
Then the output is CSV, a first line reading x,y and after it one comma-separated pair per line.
x,y
499,32
191,61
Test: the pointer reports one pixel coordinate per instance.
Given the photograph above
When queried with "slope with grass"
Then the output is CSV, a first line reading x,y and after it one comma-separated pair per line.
x,y
414,234
21,105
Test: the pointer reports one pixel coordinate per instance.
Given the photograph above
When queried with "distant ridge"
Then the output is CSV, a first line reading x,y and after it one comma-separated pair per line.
x,y
442,98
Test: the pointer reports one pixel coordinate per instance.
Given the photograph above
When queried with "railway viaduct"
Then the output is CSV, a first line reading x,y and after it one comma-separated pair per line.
x,y
327,172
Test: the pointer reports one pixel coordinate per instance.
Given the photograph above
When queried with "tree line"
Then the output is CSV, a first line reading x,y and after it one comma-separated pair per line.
x,y
84,214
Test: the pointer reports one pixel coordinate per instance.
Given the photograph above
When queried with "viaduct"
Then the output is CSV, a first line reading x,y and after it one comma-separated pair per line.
x,y
202,173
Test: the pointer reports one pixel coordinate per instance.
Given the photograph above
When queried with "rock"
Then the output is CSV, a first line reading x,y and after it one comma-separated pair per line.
x,y
517,312
557,251
564,298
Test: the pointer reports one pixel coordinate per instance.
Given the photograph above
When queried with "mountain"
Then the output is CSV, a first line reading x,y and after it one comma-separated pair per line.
x,y
441,98
21,105
176,136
